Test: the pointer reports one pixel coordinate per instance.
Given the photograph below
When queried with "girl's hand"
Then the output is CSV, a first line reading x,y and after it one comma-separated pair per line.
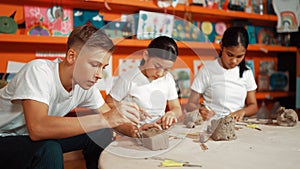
x,y
238,115
167,120
206,113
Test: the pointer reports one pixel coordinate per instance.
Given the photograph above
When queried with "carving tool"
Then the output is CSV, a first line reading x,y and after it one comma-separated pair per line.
x,y
206,107
171,163
205,134
252,126
163,159
139,135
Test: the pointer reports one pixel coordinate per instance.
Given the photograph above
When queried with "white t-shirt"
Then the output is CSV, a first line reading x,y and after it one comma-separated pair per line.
x,y
223,90
39,80
134,86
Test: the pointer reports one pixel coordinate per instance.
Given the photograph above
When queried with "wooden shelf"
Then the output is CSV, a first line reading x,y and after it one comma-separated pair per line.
x,y
11,38
133,6
271,48
197,11
135,43
204,45
144,43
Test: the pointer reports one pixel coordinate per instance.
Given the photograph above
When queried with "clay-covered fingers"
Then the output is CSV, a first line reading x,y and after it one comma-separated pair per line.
x,y
168,120
206,114
238,115
150,125
238,118
233,116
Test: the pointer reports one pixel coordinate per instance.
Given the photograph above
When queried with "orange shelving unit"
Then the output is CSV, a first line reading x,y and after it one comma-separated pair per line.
x,y
133,6
11,38
273,94
197,11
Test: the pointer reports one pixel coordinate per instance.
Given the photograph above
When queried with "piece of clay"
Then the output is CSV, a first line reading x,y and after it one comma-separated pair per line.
x,y
224,129
193,118
263,112
286,117
274,110
203,137
203,146
208,130
155,139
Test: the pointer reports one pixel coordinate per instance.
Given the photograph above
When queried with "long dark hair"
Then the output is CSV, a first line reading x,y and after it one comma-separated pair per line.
x,y
235,36
162,47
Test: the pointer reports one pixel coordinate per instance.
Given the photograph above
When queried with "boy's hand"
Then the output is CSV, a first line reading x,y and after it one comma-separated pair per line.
x,y
149,126
167,120
127,129
124,112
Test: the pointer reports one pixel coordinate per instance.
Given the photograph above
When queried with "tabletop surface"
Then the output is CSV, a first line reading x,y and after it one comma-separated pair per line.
x,y
274,147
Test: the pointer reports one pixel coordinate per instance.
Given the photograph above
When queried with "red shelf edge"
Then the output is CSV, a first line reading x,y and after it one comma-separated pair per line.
x,y
121,42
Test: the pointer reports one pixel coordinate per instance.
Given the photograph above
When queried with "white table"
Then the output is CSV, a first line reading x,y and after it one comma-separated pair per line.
x,y
274,147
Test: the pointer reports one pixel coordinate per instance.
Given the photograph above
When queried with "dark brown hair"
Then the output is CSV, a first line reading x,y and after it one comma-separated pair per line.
x,y
89,36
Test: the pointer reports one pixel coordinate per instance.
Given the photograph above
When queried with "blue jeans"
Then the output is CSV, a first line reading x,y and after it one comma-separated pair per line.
x,y
19,152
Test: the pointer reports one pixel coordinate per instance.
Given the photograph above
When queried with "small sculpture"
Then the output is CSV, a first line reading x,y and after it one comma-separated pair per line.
x,y
286,117
224,129
193,118
155,139
8,24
